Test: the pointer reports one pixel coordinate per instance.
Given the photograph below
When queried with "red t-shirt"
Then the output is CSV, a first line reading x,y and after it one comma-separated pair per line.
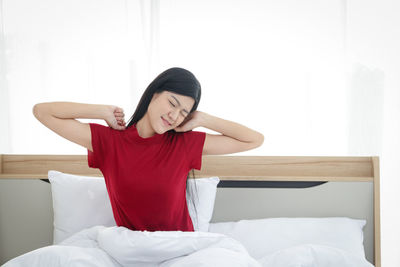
x,y
146,177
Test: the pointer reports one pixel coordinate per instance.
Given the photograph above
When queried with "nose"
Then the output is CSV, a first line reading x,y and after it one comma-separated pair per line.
x,y
173,115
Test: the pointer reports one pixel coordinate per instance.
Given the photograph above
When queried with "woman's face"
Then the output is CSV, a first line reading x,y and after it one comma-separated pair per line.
x,y
168,110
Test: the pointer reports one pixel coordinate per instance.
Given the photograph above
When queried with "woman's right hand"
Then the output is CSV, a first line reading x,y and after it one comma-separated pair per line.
x,y
115,118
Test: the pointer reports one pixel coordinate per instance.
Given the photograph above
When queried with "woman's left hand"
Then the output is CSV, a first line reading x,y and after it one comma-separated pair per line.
x,y
192,121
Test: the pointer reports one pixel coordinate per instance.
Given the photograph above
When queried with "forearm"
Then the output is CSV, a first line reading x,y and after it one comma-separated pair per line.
x,y
71,110
231,129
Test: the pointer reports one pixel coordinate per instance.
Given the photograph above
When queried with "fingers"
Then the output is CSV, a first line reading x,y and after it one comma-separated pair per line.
x,y
119,113
119,116
121,122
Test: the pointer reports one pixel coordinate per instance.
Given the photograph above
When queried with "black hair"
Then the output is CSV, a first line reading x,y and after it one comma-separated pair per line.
x,y
177,80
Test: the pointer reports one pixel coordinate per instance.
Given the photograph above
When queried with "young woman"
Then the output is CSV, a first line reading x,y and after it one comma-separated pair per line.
x,y
146,163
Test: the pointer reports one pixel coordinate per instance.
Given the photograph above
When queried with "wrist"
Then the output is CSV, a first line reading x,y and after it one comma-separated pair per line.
x,y
106,110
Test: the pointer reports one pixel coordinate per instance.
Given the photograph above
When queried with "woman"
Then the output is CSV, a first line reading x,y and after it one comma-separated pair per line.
x,y
146,163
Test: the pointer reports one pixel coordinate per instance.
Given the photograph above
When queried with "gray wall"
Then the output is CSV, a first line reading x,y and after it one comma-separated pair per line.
x,y
26,216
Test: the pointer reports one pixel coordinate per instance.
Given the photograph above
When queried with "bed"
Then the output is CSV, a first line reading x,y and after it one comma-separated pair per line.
x,y
257,196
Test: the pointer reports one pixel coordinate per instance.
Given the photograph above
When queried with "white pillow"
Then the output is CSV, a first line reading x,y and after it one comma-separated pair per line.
x,y
78,202
204,191
264,236
81,202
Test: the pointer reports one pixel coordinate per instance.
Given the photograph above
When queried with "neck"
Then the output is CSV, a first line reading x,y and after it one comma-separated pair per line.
x,y
144,128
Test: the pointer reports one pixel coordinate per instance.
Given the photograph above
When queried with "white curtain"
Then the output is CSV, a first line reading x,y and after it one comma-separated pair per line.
x,y
315,77
82,51
276,66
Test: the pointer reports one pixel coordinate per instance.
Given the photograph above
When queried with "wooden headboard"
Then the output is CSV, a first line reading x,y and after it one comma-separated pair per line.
x,y
234,171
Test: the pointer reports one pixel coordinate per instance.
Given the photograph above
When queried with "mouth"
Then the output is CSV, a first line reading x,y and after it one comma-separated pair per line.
x,y
166,123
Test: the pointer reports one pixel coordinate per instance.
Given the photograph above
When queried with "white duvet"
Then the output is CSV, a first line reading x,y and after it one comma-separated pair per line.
x,y
119,246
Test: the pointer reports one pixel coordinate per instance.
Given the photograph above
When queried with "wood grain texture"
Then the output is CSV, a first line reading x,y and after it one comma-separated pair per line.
x,y
259,168
377,212
1,164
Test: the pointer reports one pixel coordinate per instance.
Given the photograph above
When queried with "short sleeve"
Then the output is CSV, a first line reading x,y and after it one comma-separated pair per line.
x,y
194,142
101,144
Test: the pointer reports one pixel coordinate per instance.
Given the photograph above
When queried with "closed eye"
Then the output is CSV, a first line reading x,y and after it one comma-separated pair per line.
x,y
174,106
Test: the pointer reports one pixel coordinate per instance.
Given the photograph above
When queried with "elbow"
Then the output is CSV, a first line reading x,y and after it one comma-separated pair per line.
x,y
257,142
37,110
260,140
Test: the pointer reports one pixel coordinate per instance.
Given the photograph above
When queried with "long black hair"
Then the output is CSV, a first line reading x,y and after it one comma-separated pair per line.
x,y
177,80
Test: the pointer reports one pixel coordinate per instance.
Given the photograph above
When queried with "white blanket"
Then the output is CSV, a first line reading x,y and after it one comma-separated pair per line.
x,y
119,246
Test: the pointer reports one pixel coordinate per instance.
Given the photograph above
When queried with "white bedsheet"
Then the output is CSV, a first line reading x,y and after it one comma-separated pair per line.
x,y
312,255
119,246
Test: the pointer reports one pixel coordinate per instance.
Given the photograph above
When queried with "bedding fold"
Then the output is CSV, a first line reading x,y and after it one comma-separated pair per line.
x,y
119,246
132,248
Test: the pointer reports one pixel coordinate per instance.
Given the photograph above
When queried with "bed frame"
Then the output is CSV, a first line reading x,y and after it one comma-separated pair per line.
x,y
251,187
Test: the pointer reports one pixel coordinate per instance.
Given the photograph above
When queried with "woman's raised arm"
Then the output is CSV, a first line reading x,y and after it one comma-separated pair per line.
x,y
234,137
60,117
